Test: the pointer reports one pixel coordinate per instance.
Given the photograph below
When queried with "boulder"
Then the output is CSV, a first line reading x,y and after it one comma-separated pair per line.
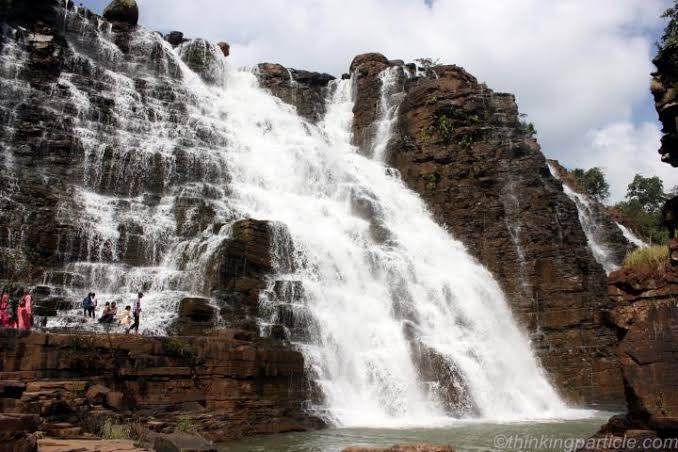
x,y
303,89
175,38
196,317
122,11
225,48
96,394
182,442
201,57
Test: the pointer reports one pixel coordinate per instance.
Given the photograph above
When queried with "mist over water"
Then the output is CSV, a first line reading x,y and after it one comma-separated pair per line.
x,y
381,280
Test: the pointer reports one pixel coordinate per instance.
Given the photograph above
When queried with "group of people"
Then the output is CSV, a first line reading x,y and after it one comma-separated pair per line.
x,y
16,311
128,317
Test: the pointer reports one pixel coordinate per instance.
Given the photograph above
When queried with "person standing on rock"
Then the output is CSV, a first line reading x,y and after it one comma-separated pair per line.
x,y
4,309
25,314
94,304
87,309
137,313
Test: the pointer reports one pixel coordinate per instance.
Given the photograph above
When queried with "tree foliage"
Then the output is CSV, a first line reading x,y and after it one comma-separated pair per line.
x,y
593,182
427,63
648,192
670,36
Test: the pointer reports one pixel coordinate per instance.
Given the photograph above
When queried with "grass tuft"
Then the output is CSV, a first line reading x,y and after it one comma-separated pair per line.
x,y
654,256
113,430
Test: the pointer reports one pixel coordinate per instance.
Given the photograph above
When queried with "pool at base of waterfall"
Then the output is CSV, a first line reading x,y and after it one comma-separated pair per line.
x,y
462,435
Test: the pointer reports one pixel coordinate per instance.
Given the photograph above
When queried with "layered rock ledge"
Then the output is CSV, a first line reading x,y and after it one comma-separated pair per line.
x,y
220,387
645,315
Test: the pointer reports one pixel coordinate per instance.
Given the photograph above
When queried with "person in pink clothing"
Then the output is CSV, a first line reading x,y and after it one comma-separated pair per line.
x,y
25,317
4,309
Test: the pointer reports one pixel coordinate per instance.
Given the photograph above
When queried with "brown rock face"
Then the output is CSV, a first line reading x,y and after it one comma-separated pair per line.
x,y
225,387
225,48
645,316
665,94
305,90
366,69
463,148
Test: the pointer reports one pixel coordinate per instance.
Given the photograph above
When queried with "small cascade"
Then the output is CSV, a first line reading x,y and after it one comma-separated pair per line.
x,y
389,102
631,237
592,228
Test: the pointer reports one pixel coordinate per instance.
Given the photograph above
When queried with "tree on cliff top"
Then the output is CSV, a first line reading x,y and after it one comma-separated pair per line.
x,y
593,182
648,192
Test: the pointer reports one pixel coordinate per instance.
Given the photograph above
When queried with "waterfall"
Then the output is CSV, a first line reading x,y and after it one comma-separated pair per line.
x,y
381,280
631,237
388,109
590,225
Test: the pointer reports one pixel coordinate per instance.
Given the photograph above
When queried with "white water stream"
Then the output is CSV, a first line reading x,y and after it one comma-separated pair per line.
x,y
371,296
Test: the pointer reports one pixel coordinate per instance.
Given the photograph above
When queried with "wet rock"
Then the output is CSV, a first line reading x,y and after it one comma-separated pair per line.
x,y
201,57
122,11
180,442
366,68
462,147
305,90
175,38
196,317
225,48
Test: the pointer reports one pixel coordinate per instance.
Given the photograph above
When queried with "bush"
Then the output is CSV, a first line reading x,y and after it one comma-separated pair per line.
x,y
654,256
112,429
186,425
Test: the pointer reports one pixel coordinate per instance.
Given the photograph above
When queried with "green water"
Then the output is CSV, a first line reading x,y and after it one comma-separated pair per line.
x,y
464,436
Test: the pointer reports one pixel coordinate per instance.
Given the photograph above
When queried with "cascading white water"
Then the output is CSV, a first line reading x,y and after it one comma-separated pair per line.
x,y
388,108
592,229
631,237
370,296
363,293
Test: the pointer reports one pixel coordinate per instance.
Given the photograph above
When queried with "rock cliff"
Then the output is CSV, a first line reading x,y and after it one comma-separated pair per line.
x,y
644,314
463,148
222,387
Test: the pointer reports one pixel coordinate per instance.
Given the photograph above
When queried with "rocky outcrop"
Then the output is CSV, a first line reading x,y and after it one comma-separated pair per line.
x,y
17,432
122,12
307,91
665,91
644,314
463,148
222,387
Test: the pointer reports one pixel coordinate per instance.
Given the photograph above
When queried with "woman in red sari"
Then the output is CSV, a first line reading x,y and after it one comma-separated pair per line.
x,y
25,317
4,309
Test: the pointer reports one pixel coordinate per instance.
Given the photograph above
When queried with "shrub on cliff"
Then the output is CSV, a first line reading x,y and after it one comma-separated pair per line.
x,y
654,257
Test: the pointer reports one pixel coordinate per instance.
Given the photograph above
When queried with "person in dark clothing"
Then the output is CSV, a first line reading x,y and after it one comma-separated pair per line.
x,y
88,306
136,312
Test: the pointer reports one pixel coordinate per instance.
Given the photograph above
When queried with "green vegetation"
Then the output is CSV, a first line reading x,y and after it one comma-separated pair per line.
x,y
655,257
112,429
670,37
648,192
592,182
174,346
645,198
528,128
445,129
186,425
427,63
432,180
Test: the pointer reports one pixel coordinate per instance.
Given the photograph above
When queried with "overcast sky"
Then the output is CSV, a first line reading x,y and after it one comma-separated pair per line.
x,y
579,68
